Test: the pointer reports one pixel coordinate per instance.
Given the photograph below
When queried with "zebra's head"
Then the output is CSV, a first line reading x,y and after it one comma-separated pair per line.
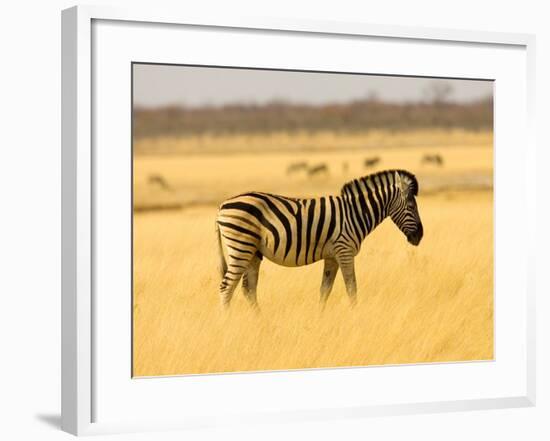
x,y
403,210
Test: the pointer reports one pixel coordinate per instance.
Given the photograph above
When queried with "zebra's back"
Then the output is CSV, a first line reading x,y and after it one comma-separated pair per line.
x,y
288,231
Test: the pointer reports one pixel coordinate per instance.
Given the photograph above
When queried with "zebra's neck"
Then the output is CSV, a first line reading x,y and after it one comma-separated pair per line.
x,y
367,201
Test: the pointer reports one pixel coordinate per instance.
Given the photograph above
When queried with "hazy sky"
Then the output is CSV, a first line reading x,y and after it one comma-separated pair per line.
x,y
159,85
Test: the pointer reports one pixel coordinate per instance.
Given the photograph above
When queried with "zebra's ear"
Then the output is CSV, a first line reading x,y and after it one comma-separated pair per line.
x,y
400,183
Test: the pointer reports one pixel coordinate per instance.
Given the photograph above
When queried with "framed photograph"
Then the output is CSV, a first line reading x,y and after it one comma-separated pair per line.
x,y
271,221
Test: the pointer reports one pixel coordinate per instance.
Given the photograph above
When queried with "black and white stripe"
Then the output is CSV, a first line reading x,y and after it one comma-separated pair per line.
x,y
295,232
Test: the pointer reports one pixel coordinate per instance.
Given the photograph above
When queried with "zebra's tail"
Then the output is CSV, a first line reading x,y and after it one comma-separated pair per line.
x,y
223,263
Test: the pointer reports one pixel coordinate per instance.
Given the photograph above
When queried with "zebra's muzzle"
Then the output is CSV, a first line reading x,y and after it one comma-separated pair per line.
x,y
416,237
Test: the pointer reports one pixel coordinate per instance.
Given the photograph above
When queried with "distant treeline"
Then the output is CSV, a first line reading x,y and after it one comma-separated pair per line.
x,y
359,115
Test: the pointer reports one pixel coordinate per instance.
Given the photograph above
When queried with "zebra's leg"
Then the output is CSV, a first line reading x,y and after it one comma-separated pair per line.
x,y
235,270
347,266
250,281
329,274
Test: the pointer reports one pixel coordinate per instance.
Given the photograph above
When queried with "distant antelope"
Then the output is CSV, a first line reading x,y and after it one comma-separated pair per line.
x,y
435,159
371,162
159,181
295,232
318,170
296,167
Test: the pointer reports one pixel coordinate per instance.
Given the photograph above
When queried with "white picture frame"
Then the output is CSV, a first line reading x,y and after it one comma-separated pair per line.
x,y
85,382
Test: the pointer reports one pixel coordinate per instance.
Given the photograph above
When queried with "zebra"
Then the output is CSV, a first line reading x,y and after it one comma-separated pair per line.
x,y
294,232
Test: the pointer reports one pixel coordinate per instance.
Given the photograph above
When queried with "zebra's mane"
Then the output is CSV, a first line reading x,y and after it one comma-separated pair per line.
x,y
410,179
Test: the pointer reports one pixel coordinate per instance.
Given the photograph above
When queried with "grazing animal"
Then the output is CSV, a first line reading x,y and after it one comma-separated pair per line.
x,y
296,167
294,232
435,159
318,169
159,181
371,162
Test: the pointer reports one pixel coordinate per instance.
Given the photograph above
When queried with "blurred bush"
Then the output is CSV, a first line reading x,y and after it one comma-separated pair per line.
x,y
357,116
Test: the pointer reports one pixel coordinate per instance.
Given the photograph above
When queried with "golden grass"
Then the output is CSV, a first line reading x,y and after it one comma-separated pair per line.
x,y
431,303
213,178
425,304
312,141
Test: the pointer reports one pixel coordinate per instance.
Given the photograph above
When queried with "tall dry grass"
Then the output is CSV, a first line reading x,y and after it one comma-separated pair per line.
x,y
432,303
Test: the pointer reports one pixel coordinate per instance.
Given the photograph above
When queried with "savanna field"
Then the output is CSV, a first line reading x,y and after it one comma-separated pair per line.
x,y
431,303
